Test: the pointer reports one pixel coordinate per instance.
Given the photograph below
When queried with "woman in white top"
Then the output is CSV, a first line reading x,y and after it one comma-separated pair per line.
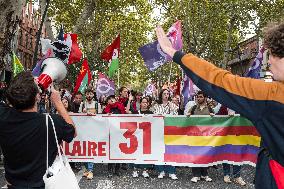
x,y
165,107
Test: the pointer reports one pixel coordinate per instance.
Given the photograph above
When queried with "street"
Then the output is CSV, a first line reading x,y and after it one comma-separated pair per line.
x,y
125,180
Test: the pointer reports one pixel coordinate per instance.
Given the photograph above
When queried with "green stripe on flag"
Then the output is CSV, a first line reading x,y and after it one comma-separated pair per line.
x,y
207,121
84,84
113,67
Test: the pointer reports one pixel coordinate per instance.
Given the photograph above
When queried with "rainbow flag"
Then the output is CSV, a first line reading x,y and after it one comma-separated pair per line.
x,y
205,141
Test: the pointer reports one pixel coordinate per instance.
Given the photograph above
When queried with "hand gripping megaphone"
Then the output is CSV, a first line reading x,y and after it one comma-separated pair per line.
x,y
54,70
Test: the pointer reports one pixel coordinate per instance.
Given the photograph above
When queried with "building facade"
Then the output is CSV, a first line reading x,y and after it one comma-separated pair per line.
x,y
244,54
26,40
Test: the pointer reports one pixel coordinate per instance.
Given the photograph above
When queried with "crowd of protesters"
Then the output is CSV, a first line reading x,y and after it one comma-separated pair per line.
x,y
132,102
18,116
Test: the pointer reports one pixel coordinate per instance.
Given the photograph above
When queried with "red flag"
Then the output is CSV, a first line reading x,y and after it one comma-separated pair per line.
x,y
76,53
108,52
178,85
84,77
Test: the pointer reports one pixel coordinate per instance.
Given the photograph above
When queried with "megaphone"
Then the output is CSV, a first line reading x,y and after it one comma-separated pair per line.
x,y
54,70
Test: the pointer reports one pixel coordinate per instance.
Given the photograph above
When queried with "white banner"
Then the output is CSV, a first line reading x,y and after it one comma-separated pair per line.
x,y
120,139
196,141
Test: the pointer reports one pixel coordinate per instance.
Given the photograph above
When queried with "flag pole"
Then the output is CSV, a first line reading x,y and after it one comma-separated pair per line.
x,y
118,71
169,80
38,34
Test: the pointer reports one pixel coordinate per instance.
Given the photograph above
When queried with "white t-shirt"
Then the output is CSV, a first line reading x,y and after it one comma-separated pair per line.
x,y
88,107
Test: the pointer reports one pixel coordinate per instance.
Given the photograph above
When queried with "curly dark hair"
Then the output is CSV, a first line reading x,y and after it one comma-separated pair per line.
x,y
22,91
160,99
274,40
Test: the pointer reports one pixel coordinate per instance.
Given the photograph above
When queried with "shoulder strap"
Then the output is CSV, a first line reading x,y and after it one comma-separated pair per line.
x,y
55,135
96,106
210,109
46,123
193,109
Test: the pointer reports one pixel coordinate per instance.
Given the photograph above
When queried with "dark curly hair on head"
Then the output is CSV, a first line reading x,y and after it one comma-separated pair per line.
x,y
160,99
22,91
274,40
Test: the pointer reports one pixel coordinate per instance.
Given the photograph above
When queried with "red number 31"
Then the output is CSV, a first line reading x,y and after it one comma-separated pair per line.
x,y
129,134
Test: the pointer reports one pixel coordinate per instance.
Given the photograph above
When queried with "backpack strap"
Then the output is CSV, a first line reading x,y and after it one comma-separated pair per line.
x,y
193,109
210,110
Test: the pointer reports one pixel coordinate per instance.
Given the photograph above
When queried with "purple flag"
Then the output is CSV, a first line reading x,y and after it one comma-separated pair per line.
x,y
187,90
152,53
150,89
254,70
37,69
105,86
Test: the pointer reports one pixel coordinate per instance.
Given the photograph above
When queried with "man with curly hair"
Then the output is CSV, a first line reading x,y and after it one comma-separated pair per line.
x,y
261,102
23,133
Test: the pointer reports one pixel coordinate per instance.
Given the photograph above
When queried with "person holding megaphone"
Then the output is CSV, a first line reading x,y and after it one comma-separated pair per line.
x,y
23,131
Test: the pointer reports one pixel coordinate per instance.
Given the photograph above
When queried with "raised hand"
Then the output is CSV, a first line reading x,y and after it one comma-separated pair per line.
x,y
164,42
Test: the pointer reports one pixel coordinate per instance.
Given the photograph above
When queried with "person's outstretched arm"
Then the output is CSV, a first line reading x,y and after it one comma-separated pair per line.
x,y
247,96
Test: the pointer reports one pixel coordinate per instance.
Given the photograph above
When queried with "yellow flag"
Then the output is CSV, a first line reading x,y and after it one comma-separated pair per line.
x,y
17,66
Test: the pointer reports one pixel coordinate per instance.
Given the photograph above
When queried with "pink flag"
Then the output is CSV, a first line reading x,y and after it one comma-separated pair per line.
x,y
175,35
152,53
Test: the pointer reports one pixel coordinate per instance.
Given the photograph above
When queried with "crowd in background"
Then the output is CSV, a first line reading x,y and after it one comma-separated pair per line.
x,y
133,102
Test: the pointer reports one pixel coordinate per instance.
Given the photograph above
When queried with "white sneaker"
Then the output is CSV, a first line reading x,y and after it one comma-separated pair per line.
x,y
173,176
227,179
135,174
145,174
240,181
206,178
161,175
195,179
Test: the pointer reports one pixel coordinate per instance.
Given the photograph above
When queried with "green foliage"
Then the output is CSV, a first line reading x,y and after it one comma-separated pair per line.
x,y
210,30
206,23
130,19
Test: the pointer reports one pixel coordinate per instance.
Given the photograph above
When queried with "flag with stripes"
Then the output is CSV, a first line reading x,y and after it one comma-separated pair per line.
x,y
205,141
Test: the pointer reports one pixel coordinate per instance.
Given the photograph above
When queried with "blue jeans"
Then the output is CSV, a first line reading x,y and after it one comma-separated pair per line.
x,y
166,168
236,170
89,166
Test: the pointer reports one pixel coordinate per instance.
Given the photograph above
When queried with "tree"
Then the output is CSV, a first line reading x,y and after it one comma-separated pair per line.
x,y
212,28
99,22
47,20
9,22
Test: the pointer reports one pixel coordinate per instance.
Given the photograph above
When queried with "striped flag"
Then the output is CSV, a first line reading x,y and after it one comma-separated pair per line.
x,y
111,54
204,141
